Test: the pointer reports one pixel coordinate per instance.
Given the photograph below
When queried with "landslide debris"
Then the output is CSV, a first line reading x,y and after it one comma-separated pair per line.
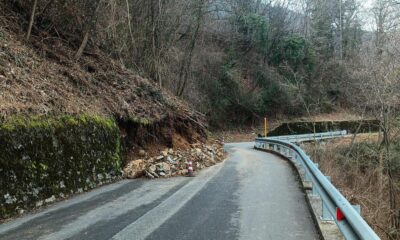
x,y
170,162
42,77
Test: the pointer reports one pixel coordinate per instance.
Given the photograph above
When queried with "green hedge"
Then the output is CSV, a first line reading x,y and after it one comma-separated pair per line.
x,y
42,157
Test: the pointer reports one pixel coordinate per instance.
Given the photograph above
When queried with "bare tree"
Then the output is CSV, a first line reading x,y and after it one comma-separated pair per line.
x,y
89,27
28,35
378,89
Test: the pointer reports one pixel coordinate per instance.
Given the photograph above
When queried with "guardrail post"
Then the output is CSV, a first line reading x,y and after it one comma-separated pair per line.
x,y
296,160
291,155
314,191
357,208
314,187
307,177
326,215
333,204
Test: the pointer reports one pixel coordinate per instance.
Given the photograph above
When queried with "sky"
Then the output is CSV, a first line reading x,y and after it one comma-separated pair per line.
x,y
366,14
367,3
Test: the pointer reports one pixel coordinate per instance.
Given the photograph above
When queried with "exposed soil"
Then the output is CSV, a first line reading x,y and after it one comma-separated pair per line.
x,y
41,77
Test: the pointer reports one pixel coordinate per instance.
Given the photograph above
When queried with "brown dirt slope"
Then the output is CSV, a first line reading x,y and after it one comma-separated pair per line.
x,y
42,77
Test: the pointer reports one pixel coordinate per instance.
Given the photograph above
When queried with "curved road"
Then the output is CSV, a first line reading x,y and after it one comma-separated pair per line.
x,y
252,195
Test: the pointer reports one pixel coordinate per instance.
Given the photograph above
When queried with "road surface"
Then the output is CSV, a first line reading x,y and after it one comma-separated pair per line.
x,y
252,195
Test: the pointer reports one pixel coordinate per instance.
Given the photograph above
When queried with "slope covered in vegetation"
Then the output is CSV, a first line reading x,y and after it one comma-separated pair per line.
x,y
235,61
69,124
42,77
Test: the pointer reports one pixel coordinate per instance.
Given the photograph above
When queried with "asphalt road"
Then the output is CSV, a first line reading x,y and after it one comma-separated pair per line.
x,y
252,195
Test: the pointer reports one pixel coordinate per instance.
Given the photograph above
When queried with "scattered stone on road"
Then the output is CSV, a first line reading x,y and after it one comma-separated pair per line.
x,y
251,195
170,162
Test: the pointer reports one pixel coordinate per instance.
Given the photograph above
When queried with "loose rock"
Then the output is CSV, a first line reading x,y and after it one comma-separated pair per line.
x,y
172,163
142,153
50,199
135,168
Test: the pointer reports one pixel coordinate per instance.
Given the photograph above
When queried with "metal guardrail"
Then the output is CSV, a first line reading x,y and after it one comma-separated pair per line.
x,y
335,207
311,136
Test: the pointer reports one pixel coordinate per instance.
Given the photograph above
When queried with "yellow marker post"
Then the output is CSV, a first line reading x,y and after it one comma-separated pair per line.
x,y
265,127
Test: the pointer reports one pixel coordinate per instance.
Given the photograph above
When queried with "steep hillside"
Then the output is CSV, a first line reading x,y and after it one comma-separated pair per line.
x,y
67,125
42,78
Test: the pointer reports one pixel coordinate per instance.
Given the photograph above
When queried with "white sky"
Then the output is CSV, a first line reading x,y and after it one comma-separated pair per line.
x,y
367,3
366,14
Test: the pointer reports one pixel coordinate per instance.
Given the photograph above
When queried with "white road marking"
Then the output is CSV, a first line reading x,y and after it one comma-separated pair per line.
x,y
146,194
153,219
5,227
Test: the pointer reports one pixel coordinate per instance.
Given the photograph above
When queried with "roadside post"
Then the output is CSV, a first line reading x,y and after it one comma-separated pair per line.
x,y
190,169
265,127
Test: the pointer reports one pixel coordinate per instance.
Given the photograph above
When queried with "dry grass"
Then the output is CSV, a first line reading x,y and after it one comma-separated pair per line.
x,y
359,138
339,115
359,184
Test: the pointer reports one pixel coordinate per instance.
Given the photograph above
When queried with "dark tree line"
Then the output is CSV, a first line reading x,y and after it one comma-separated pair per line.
x,y
232,59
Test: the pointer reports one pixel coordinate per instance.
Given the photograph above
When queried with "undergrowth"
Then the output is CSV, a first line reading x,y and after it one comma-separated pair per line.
x,y
362,177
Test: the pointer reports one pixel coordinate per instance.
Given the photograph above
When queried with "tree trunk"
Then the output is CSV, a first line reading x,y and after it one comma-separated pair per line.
x,y
187,62
83,45
28,35
129,21
88,29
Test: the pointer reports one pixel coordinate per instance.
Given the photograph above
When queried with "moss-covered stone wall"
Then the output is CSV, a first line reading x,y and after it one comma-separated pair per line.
x,y
44,158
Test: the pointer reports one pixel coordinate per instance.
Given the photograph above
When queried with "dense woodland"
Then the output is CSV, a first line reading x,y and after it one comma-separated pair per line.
x,y
231,59
236,61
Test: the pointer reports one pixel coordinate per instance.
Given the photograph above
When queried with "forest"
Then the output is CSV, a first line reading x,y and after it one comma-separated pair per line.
x,y
236,61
